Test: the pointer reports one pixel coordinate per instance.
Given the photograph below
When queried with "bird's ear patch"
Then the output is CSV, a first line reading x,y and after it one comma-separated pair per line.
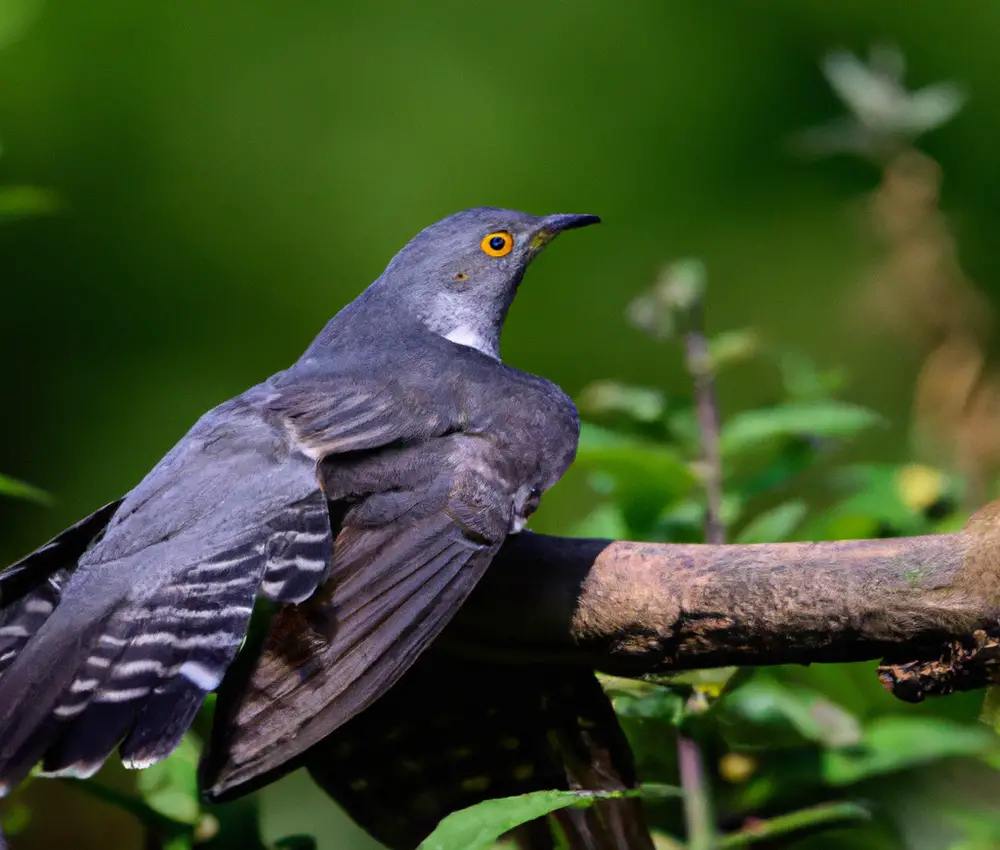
x,y
460,276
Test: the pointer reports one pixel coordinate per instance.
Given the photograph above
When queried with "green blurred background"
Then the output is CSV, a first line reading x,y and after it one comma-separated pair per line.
x,y
231,174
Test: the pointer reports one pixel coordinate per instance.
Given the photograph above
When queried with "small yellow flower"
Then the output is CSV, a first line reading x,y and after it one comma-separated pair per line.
x,y
737,767
919,486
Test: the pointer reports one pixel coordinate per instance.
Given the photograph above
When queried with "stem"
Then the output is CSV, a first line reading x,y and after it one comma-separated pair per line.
x,y
701,834
976,489
815,817
699,365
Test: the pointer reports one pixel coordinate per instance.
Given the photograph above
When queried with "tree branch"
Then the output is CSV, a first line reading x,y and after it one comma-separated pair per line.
x,y
642,608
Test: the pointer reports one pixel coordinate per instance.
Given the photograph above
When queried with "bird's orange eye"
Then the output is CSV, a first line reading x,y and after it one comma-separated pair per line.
x,y
497,244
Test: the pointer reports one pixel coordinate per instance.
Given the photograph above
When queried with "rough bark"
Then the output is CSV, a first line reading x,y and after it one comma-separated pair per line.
x,y
927,605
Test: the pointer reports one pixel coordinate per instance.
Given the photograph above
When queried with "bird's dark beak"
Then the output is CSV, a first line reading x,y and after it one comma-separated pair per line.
x,y
552,225
567,221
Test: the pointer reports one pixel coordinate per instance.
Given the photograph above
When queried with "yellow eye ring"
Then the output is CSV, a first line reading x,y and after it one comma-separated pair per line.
x,y
497,244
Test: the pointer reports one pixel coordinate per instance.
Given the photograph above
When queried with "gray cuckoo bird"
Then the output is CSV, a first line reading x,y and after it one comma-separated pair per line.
x,y
364,490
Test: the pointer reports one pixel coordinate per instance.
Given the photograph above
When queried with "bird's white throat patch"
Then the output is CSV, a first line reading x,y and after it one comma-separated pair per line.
x,y
464,335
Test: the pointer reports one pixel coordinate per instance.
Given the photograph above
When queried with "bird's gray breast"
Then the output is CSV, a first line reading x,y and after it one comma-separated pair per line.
x,y
535,426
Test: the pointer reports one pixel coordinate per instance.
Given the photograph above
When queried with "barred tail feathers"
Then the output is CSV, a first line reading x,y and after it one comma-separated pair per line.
x,y
31,589
128,664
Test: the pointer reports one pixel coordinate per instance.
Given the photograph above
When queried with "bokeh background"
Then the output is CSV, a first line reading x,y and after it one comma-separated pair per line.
x,y
230,174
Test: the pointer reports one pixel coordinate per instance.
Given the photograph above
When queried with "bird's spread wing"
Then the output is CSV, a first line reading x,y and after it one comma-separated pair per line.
x,y
420,521
61,552
326,661
135,642
153,615
457,731
31,588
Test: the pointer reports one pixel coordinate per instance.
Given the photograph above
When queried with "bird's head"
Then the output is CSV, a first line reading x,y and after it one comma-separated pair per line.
x,y
459,276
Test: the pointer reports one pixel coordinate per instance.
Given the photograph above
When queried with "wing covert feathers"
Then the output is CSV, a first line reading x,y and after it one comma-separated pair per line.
x,y
366,415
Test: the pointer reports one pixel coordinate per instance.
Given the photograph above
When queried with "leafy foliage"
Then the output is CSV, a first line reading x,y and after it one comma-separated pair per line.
x,y
19,490
480,826
786,744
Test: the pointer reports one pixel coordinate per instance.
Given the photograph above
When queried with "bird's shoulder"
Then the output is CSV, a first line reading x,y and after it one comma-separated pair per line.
x,y
527,399
232,468
530,419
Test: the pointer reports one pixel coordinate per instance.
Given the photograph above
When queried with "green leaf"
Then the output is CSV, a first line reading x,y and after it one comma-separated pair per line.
x,y
178,841
681,420
876,495
835,526
981,831
895,743
295,842
666,308
481,825
788,460
19,490
948,525
15,819
774,525
170,787
823,815
687,516
605,522
145,814
645,701
169,806
15,17
713,682
662,841
23,201
785,709
990,711
804,381
646,476
753,428
731,347
640,403
891,495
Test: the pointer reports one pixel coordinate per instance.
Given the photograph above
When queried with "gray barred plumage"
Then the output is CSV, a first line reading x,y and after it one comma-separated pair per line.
x,y
385,467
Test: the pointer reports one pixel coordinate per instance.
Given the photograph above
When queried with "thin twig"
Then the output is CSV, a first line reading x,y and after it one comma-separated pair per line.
x,y
817,817
699,364
701,831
